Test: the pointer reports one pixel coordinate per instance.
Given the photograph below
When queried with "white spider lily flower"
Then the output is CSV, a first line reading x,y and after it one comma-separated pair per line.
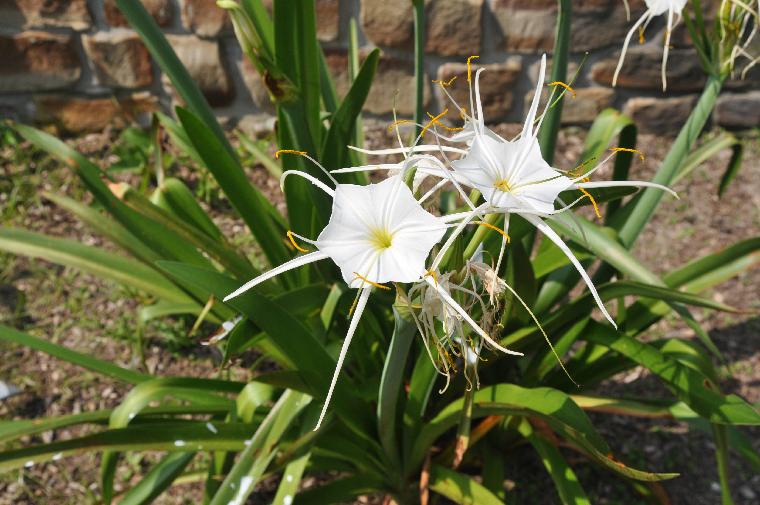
x,y
654,8
376,234
511,175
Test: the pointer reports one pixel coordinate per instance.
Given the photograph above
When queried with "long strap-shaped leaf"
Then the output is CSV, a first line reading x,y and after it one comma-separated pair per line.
x,y
547,137
175,437
106,368
93,260
688,384
246,199
631,219
460,488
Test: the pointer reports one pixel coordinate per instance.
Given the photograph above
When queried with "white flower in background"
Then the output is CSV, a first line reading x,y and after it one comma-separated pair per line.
x,y
654,8
376,234
511,175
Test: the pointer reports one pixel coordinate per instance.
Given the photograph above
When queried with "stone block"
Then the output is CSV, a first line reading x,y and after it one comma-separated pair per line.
x,y
496,87
35,61
120,59
83,114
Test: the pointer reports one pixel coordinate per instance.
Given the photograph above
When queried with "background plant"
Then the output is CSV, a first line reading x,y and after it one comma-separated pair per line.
x,y
390,432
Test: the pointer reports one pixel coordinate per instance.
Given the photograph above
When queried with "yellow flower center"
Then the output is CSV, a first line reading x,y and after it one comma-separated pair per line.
x,y
380,238
502,185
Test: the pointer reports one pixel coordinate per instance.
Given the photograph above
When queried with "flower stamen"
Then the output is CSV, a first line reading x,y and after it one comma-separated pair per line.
x,y
449,128
358,276
628,150
293,242
445,84
593,202
398,122
288,151
502,185
433,120
431,273
495,228
566,86
469,67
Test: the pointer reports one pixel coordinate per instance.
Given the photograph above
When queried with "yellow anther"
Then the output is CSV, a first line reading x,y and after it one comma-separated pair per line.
x,y
371,282
566,86
433,120
495,228
641,35
463,113
292,241
396,123
431,273
445,84
449,128
288,151
628,150
469,68
593,202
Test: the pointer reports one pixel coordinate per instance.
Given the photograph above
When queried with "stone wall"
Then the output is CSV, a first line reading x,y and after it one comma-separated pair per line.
x,y
77,64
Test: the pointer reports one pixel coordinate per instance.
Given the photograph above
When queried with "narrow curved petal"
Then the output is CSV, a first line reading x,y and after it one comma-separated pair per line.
x,y
289,265
552,235
321,185
360,305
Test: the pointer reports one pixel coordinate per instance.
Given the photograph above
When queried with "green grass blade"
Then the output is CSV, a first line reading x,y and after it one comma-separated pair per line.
x,y
174,196
272,166
104,264
732,170
704,152
154,39
11,335
547,137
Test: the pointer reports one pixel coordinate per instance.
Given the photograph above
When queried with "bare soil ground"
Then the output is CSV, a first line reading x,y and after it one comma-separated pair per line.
x,y
84,313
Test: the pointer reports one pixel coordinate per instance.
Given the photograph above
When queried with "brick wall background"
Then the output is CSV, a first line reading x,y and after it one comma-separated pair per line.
x,y
76,64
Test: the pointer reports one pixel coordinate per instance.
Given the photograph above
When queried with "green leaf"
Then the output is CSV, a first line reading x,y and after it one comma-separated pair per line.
x,y
217,248
732,170
690,386
106,368
259,452
154,39
272,166
100,263
341,490
391,382
566,482
704,152
635,215
164,242
174,437
172,195
11,430
334,151
195,390
245,198
160,477
105,226
547,137
551,405
460,488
